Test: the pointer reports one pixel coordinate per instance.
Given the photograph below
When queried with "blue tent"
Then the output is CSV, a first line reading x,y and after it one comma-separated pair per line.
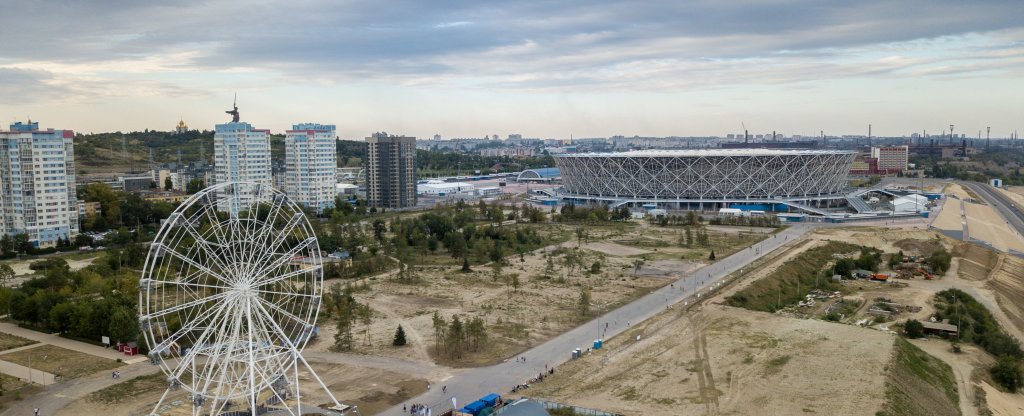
x,y
490,399
474,408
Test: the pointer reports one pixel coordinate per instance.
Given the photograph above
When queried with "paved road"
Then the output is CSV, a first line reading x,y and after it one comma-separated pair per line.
x,y
472,384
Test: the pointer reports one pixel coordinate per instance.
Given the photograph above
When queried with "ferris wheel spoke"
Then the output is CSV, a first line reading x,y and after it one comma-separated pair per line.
x,y
220,350
284,312
277,328
285,232
192,325
199,345
186,283
286,276
287,294
190,262
205,245
269,263
191,304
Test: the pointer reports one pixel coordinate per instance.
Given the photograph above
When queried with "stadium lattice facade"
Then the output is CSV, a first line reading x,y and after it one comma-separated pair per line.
x,y
710,178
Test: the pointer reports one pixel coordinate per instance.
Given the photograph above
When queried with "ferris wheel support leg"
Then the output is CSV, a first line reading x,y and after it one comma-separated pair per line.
x,y
298,396
318,380
159,402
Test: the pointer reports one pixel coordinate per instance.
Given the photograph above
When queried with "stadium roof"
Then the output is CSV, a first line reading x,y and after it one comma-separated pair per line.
x,y
709,152
541,173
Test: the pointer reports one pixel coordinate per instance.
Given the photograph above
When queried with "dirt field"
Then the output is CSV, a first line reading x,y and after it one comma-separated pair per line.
x,y
984,223
60,361
372,390
21,267
722,360
541,307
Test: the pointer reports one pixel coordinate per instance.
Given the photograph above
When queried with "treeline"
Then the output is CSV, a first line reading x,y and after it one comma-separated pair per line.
x,y
454,229
978,326
868,259
100,149
600,213
455,337
436,163
121,209
98,300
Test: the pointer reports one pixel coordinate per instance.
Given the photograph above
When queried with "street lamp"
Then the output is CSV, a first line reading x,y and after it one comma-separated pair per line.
x,y
30,367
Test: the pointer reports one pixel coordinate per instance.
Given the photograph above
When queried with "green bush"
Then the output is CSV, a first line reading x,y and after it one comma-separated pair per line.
x,y
913,329
1007,373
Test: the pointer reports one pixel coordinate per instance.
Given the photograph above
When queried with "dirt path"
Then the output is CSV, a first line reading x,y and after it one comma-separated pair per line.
x,y
962,368
418,344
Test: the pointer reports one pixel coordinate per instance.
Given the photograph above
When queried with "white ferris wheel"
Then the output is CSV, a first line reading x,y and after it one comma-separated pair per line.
x,y
229,297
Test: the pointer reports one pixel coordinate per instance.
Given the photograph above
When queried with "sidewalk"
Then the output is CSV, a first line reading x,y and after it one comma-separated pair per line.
x,y
22,372
53,339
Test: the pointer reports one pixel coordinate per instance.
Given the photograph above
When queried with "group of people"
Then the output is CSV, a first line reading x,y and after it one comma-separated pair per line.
x,y
418,409
115,374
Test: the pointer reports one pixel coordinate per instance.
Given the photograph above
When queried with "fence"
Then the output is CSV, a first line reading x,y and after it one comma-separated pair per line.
x,y
582,411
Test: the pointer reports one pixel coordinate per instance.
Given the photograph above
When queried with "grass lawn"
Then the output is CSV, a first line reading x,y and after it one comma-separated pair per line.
x,y
128,390
919,384
8,341
61,361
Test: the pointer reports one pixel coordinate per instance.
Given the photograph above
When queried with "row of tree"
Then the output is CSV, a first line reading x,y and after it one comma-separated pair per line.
x,y
89,303
455,337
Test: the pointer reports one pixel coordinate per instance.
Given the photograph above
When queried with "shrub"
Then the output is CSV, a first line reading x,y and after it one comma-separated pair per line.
x,y
1007,373
913,329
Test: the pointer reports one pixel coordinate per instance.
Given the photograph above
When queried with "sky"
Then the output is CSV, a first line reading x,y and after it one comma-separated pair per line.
x,y
548,69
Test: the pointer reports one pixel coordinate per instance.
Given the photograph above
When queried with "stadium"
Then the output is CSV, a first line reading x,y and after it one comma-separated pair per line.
x,y
812,181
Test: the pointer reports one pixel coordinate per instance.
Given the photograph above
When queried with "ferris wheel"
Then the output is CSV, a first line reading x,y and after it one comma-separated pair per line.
x,y
229,296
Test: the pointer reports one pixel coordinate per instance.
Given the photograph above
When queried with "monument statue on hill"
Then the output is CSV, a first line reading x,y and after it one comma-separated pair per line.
x,y
234,113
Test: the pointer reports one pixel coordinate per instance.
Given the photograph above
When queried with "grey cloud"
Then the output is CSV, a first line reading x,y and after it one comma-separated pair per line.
x,y
572,41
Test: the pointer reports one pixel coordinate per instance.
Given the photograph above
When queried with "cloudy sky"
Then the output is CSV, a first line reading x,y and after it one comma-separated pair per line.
x,y
590,68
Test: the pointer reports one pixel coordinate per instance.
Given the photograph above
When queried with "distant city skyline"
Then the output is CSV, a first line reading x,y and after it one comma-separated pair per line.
x,y
466,69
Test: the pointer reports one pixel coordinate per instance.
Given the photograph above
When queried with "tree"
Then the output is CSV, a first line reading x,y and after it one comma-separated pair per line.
x,y
496,271
549,269
637,264
913,329
689,236
515,282
194,185
440,331
712,255
6,273
168,184
465,265
123,325
584,303
399,337
1007,373
456,337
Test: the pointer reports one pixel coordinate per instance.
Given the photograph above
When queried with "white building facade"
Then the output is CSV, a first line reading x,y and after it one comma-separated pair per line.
x,y
37,184
311,162
241,154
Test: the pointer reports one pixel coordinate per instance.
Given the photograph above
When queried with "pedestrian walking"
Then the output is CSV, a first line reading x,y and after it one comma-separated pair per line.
x,y
37,411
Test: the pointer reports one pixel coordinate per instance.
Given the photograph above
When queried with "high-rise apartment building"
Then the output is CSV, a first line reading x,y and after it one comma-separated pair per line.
x,y
891,158
37,184
391,171
311,162
241,154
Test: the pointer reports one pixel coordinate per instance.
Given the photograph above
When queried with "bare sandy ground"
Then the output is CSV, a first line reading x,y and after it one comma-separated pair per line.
x,y
614,249
984,223
949,218
721,360
1016,195
21,267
